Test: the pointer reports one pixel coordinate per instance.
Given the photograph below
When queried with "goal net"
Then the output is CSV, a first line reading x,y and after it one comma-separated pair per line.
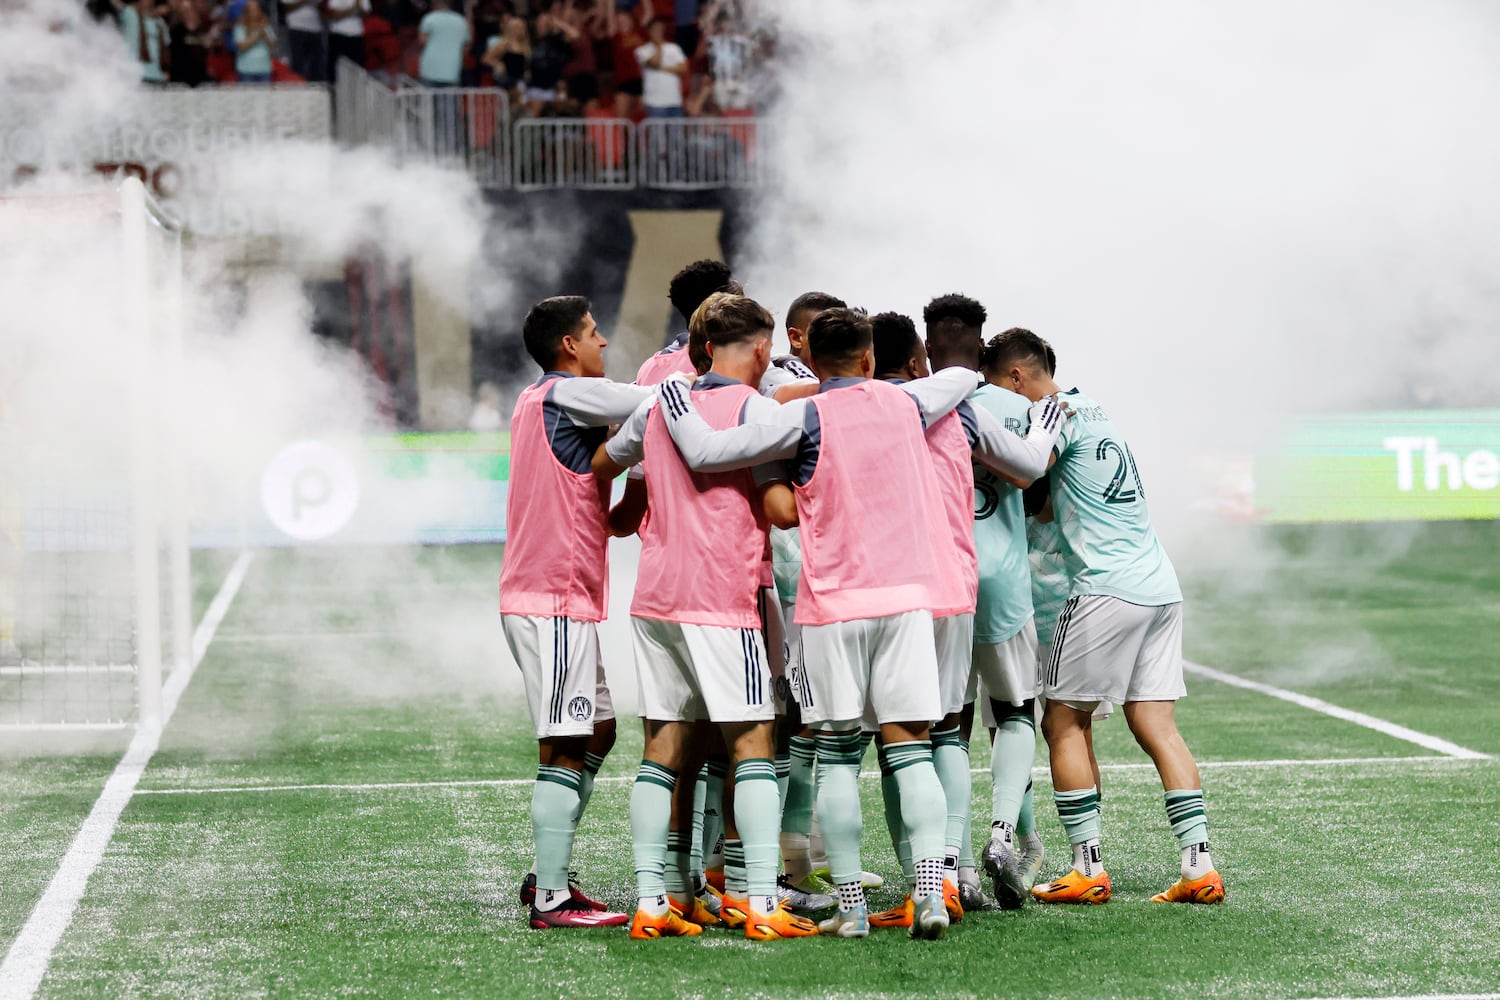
x,y
95,598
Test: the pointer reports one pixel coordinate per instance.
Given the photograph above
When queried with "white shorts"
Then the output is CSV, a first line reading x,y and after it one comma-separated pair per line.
x,y
1106,649
691,672
953,635
564,677
1102,710
889,664
773,630
1008,670
796,672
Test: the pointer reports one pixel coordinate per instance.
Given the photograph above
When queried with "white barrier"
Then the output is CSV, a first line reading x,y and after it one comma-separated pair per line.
x,y
686,154
595,153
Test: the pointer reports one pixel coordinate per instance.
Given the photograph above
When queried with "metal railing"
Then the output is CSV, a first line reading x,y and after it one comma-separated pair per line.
x,y
597,153
470,128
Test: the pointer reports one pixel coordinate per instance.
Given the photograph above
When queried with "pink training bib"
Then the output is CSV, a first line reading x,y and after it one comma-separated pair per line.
x,y
953,461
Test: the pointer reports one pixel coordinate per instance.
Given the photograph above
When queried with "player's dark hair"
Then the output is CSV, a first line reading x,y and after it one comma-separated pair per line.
x,y
896,340
839,336
811,302
696,282
548,322
954,309
1017,346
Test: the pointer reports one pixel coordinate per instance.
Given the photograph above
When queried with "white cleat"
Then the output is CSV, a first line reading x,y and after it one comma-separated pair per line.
x,y
853,923
930,921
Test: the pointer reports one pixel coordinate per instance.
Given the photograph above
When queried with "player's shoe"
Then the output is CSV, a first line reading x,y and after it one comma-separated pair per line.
x,y
798,899
867,879
930,919
1208,889
1007,877
715,878
528,892
1074,888
810,883
1030,863
899,915
774,926
733,911
847,923
573,913
711,898
951,903
645,926
693,911
972,897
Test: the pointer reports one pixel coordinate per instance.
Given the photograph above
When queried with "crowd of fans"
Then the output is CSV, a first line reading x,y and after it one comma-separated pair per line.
x,y
623,58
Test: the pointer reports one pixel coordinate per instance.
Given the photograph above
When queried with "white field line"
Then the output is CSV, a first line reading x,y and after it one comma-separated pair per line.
x,y
1426,996
867,774
1358,718
31,952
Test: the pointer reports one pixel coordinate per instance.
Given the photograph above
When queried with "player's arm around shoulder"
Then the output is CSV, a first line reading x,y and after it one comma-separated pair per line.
x,y
939,393
598,402
627,446
704,449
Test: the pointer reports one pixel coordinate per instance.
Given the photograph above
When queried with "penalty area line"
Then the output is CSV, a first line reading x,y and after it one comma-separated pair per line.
x,y
1384,726
30,953
379,786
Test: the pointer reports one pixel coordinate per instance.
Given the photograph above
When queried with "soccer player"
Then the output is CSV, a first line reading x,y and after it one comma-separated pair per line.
x,y
689,288
959,441
861,477
790,376
1119,639
553,586
699,648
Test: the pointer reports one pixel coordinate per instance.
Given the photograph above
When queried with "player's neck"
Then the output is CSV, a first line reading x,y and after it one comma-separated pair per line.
x,y
735,371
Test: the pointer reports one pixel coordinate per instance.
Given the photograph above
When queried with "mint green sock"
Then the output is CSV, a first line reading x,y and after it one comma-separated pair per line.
x,y
711,836
890,792
797,811
554,819
924,809
1011,757
678,875
1026,818
950,759
650,815
735,883
783,780
839,814
591,764
1186,814
756,819
1079,812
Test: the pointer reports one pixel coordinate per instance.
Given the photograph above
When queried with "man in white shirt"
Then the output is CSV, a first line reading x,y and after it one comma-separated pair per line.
x,y
663,66
304,26
346,32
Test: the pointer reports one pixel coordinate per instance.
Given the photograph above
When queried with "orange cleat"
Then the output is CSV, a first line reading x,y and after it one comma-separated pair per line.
x,y
781,923
1208,889
1074,888
715,878
645,927
897,916
693,911
951,901
733,911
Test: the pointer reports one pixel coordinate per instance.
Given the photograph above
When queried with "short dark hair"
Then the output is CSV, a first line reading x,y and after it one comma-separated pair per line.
x,y
957,309
1018,346
696,282
814,302
839,335
895,339
548,322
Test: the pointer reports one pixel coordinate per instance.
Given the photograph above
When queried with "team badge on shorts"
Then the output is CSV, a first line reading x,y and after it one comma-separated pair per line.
x,y
783,689
581,709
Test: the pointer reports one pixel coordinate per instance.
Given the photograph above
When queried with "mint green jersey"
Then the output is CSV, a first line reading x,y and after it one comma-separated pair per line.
x,y
1050,582
1000,531
786,562
1100,505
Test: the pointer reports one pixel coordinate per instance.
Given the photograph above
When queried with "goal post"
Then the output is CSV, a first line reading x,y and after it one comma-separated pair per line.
x,y
95,577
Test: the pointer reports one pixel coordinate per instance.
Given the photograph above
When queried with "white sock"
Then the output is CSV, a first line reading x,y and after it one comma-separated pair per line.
x,y
968,875
1195,861
929,878
654,905
1005,833
950,868
764,905
851,896
796,856
551,899
1088,858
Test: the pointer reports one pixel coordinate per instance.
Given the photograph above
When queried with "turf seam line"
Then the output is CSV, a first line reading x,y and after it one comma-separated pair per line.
x,y
1379,725
30,954
869,775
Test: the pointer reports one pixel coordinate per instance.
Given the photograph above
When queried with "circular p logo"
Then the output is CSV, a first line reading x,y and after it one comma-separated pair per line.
x,y
310,490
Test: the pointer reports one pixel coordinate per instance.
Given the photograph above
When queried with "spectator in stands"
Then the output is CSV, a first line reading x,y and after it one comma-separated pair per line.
x,y
581,74
687,35
488,414
189,26
663,66
508,55
444,34
730,61
145,35
549,56
627,33
304,30
488,24
253,39
346,32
